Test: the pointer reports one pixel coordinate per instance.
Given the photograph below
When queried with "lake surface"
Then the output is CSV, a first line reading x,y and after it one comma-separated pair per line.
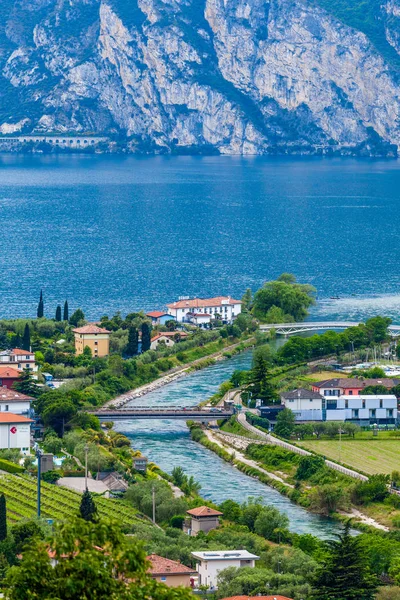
x,y
168,444
123,233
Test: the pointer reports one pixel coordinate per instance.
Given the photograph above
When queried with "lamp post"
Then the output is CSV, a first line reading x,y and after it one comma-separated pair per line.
x,y
38,453
86,454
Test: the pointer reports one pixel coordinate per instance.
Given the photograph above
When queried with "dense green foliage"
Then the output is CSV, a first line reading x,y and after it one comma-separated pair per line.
x,y
87,508
283,300
345,573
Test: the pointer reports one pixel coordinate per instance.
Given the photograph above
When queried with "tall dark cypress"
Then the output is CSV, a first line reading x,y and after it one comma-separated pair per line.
x,y
26,338
40,308
88,509
3,518
66,311
58,313
146,336
133,342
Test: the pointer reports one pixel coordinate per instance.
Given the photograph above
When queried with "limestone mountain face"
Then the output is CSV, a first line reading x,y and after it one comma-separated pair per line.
x,y
219,76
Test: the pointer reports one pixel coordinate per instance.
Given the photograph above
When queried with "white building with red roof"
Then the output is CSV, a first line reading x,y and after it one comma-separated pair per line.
x,y
159,317
15,432
18,359
222,307
14,402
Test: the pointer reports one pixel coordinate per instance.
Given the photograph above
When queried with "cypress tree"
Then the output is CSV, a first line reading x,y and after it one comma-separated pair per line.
x,y
66,311
3,518
26,339
17,341
58,313
40,309
133,342
87,509
146,336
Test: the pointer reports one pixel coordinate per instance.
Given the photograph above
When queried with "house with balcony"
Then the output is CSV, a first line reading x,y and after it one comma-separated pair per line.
x,y
211,563
159,317
350,386
18,359
309,406
224,308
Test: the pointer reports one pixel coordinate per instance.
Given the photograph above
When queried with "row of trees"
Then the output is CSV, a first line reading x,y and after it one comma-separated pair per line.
x,y
58,316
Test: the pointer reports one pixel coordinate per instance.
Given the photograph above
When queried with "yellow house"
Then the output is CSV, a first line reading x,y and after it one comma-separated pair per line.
x,y
170,572
96,338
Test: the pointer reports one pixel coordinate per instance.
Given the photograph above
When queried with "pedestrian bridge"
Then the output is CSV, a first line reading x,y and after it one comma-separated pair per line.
x,y
294,328
176,413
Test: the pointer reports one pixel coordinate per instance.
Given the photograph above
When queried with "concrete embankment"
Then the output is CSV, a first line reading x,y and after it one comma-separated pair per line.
x,y
169,377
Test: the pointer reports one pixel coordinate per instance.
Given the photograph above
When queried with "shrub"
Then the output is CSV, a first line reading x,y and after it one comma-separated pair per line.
x,y
51,476
308,466
373,490
10,467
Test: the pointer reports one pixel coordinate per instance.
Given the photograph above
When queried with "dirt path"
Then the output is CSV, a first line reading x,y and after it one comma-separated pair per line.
x,y
240,456
169,377
356,514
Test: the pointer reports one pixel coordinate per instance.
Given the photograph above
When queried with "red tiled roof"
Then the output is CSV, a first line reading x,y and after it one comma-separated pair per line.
x,y
200,302
156,314
6,417
90,329
9,372
204,511
165,566
18,351
13,396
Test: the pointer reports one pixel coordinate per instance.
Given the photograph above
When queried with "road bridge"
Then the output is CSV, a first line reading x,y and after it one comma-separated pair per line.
x,y
176,413
295,328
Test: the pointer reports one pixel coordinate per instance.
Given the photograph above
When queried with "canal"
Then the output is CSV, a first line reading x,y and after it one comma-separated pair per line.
x,y
168,444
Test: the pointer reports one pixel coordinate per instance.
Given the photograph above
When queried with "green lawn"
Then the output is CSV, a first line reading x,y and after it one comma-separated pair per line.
x,y
379,455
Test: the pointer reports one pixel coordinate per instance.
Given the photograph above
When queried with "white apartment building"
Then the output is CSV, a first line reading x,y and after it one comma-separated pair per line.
x,y
209,564
19,359
14,402
223,307
15,432
364,409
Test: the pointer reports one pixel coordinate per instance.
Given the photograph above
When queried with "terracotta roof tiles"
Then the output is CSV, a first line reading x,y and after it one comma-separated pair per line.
x,y
200,302
204,511
90,329
165,566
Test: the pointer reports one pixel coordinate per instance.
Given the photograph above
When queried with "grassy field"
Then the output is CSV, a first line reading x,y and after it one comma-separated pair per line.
x,y
324,375
379,455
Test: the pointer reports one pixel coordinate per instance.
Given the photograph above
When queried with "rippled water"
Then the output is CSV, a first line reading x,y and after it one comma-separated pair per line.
x,y
168,444
123,233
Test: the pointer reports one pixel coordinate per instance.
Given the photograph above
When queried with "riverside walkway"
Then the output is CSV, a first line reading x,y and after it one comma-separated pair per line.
x,y
293,328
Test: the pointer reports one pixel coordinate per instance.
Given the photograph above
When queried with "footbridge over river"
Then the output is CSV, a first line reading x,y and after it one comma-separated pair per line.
x,y
159,412
295,328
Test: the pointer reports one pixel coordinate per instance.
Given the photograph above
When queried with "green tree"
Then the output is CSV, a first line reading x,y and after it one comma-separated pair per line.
x,y
26,338
146,336
285,423
308,466
270,523
291,297
25,384
3,518
133,342
178,475
329,498
94,561
377,329
58,414
246,300
66,311
40,308
88,509
345,573
77,317
58,313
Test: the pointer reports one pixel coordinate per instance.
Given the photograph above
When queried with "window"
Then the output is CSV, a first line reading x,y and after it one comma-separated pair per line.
x,y
363,403
346,404
6,408
355,413
163,578
96,343
372,413
350,392
390,412
380,403
291,400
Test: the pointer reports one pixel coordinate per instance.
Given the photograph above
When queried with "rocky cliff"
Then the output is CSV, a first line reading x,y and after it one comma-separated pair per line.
x,y
219,76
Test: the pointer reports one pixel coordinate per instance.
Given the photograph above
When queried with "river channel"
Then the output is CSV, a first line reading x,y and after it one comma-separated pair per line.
x,y
168,444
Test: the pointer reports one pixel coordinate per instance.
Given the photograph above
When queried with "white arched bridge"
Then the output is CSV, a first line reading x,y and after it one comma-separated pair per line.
x,y
294,328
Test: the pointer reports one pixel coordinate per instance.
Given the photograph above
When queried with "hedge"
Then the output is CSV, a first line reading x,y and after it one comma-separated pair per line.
x,y
10,467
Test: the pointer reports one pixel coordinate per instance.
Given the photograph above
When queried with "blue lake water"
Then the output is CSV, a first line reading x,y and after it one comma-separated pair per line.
x,y
112,232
